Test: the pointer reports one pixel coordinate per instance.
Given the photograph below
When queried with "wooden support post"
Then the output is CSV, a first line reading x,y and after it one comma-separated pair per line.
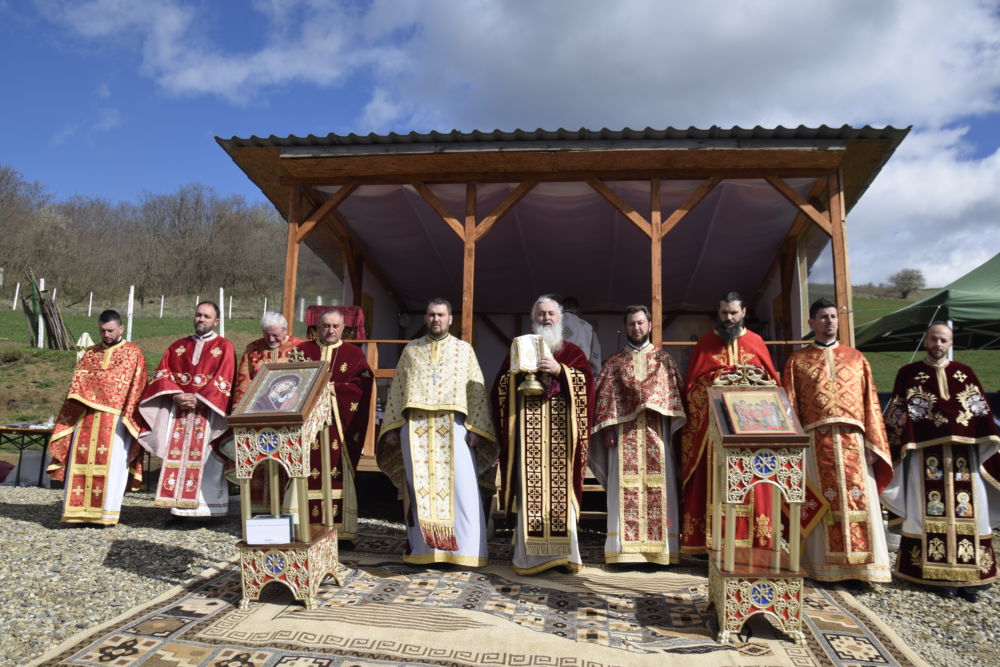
x,y
291,258
841,267
655,260
469,264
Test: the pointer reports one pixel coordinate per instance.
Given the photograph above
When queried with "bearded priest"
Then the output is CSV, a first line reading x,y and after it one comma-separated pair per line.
x,y
350,390
438,446
185,407
543,446
637,410
94,447
831,389
730,354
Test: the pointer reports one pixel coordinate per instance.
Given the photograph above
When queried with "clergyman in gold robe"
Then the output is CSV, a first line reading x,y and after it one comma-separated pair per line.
x,y
438,446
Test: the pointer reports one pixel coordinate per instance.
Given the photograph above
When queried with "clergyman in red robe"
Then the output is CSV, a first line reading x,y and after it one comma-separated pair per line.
x,y
274,346
93,445
719,354
350,392
185,407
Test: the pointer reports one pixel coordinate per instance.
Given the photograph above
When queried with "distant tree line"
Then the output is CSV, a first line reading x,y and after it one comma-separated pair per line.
x,y
189,242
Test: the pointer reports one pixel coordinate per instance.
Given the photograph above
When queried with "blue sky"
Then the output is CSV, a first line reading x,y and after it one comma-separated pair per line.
x,y
111,98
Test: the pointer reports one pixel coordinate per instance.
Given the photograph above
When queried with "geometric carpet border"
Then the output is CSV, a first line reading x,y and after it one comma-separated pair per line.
x,y
388,613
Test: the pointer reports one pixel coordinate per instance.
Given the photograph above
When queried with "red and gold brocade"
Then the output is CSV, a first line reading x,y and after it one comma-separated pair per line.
x,y
256,354
712,358
546,437
635,391
210,377
106,386
350,389
184,438
832,391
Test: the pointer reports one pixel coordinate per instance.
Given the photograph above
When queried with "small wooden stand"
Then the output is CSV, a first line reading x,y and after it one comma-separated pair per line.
x,y
286,439
755,580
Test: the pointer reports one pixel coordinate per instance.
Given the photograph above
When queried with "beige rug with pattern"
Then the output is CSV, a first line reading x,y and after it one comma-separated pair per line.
x,y
388,613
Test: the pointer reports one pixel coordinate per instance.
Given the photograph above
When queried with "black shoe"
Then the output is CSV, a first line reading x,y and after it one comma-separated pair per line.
x,y
947,592
173,521
969,594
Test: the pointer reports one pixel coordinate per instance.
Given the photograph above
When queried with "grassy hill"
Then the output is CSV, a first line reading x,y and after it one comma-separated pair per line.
x,y
33,382
885,364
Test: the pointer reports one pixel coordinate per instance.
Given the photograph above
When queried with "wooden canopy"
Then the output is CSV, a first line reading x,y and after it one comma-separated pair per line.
x,y
496,218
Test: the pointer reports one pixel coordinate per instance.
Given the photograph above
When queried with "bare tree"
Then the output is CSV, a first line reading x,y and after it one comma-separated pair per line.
x,y
905,281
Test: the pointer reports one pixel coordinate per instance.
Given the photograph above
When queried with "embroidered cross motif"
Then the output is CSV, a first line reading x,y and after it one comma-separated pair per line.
x,y
921,377
179,350
296,355
960,376
343,367
354,407
216,352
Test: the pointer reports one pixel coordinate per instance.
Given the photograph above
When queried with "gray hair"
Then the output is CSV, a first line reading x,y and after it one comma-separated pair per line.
x,y
270,319
547,297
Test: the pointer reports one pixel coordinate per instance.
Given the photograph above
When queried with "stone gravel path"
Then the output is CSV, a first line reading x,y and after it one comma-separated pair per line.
x,y
57,580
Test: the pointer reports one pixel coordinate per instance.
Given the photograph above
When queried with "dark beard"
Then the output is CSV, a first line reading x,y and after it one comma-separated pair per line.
x,y
638,342
730,333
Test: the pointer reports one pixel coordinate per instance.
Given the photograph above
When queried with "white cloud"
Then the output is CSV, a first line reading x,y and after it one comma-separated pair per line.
x,y
477,64
931,209
107,119
60,137
103,90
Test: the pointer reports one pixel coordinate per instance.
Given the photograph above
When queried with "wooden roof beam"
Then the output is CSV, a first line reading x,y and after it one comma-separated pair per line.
x,y
689,204
622,206
432,200
325,208
516,195
791,195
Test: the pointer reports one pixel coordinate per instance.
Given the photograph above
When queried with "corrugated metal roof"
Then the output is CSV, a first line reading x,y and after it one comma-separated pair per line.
x,y
822,133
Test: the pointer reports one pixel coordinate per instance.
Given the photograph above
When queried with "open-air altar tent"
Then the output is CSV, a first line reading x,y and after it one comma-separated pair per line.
x,y
672,218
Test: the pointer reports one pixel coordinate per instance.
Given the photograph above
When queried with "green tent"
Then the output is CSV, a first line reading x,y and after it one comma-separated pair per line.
x,y
972,303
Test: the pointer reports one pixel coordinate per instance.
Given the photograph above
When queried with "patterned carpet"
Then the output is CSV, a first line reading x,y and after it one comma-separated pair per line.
x,y
388,613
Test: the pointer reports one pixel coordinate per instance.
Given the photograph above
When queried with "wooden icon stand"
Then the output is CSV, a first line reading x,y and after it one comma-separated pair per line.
x,y
283,436
751,447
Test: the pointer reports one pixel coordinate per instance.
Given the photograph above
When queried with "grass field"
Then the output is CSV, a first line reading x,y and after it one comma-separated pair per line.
x,y
986,363
33,382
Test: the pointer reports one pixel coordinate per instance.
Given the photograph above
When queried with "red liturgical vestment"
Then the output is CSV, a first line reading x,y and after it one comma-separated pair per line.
x,y
94,439
639,396
256,355
203,366
832,391
711,359
947,475
350,392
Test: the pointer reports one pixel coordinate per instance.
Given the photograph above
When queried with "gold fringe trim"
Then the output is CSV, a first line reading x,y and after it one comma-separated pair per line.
x,y
952,573
549,547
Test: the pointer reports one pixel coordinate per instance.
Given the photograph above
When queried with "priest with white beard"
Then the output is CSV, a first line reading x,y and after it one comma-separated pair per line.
x,y
543,447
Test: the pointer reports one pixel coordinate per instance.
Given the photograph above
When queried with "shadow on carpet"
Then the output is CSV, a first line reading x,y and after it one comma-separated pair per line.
x,y
389,613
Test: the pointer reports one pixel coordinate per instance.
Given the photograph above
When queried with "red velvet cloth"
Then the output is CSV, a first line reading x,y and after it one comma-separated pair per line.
x,y
352,379
354,320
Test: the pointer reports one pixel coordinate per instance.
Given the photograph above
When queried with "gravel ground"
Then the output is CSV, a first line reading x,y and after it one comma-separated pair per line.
x,y
58,580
